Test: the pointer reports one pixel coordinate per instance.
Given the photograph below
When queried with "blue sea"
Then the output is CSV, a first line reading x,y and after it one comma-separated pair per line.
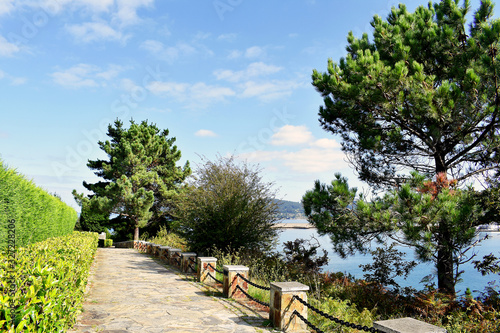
x,y
471,277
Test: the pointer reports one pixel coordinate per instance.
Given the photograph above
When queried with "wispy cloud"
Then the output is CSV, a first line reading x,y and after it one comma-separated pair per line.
x,y
86,75
7,49
255,52
168,53
205,133
14,81
6,6
198,95
96,31
269,90
303,152
253,70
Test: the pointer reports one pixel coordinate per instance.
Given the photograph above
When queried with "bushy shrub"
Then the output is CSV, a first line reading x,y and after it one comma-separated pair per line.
x,y
35,214
42,288
166,238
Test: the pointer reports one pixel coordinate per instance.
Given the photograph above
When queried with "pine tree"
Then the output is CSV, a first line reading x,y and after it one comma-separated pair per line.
x,y
424,95
140,175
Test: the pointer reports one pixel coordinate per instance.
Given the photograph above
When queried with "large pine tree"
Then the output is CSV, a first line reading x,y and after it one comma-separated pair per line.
x,y
423,95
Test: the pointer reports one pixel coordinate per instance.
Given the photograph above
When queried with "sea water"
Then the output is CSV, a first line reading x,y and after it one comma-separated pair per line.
x,y
471,278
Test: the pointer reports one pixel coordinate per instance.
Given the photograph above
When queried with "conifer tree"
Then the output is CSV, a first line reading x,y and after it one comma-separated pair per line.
x,y
140,175
422,95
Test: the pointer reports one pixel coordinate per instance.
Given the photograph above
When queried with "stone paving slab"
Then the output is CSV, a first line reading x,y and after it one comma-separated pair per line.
x,y
130,292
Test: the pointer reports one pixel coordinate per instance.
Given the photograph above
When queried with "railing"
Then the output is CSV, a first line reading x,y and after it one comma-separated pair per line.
x,y
288,306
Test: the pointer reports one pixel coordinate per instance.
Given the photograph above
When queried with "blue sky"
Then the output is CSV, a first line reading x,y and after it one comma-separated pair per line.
x,y
224,76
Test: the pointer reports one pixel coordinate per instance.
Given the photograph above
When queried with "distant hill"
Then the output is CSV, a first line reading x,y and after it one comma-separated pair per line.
x,y
290,210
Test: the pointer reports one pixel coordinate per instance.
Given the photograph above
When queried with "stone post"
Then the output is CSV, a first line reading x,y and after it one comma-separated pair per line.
x,y
173,256
231,280
406,325
149,247
282,305
204,269
156,250
186,262
163,253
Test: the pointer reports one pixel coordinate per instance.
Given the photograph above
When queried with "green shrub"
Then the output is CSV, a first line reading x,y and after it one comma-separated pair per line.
x,y
166,238
35,214
42,288
108,242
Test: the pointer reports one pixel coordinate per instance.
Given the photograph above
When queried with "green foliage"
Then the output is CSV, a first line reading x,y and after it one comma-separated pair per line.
x,y
49,282
38,215
228,205
141,178
435,218
91,219
422,95
342,309
166,238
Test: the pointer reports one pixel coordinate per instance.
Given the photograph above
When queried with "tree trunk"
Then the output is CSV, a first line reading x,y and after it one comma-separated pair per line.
x,y
136,233
444,265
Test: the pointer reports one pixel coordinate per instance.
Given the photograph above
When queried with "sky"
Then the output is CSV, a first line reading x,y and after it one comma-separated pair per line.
x,y
225,77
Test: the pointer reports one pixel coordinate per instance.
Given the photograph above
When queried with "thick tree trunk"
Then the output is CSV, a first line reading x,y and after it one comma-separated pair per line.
x,y
136,233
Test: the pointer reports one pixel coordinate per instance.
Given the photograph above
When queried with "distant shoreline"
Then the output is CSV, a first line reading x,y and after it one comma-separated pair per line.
x,y
292,225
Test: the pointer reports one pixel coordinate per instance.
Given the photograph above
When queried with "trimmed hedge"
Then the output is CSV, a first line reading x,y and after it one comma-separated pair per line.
x,y
44,285
37,215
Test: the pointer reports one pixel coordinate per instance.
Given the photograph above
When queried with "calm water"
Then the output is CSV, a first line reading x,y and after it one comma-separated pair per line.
x,y
471,278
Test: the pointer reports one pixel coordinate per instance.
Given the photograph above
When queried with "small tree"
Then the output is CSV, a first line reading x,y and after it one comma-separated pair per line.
x,y
228,205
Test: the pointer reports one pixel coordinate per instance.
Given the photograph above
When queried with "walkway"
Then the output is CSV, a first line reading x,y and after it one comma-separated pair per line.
x,y
131,292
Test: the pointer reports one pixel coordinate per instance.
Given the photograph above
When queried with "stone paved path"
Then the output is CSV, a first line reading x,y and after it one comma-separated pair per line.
x,y
131,292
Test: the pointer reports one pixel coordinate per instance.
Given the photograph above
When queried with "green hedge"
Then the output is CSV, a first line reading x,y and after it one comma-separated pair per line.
x,y
37,215
43,286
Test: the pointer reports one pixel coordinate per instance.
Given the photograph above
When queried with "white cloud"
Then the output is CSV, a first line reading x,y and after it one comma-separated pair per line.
x,y
227,37
205,133
255,52
269,90
326,143
85,75
197,95
290,135
96,31
234,54
6,6
174,89
7,49
168,53
253,70
127,11
308,160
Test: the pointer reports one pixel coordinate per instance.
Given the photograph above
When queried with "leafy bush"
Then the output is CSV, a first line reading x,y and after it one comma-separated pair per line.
x,y
166,238
49,282
36,214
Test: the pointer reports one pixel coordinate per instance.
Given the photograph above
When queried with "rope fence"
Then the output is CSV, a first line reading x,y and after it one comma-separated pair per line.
x,y
251,297
332,318
218,281
215,269
252,284
308,323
